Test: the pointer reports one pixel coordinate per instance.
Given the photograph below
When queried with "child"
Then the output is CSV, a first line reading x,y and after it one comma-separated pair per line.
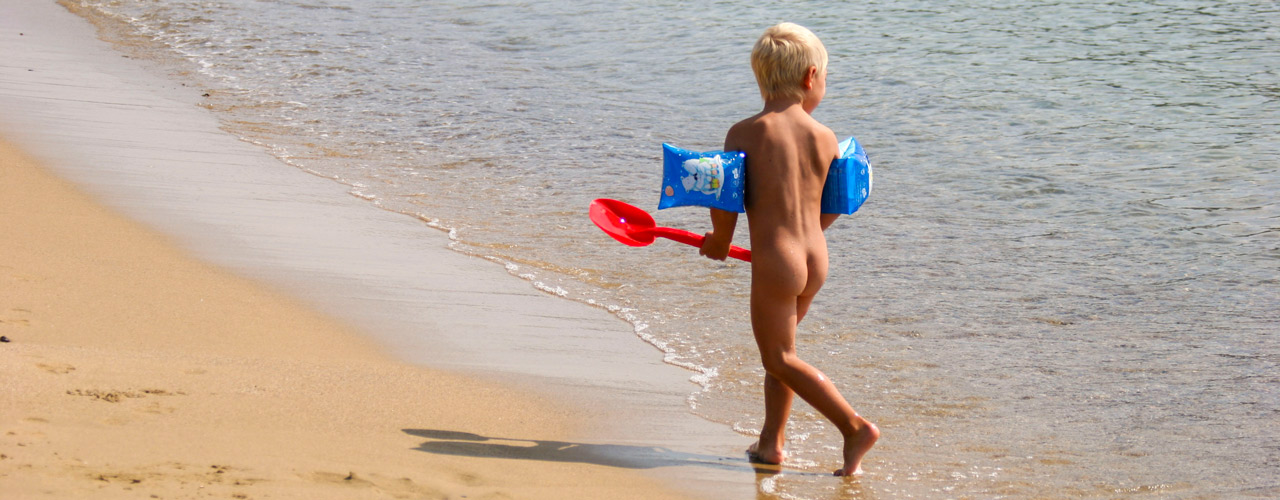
x,y
788,153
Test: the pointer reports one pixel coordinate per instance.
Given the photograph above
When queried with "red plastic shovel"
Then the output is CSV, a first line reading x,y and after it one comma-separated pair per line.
x,y
635,227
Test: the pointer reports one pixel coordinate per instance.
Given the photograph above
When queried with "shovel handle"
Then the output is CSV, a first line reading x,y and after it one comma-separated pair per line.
x,y
692,239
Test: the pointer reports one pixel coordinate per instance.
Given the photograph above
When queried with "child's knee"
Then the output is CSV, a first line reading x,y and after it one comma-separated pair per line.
x,y
777,363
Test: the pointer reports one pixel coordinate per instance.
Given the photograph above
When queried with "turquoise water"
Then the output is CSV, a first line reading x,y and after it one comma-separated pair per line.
x,y
1064,284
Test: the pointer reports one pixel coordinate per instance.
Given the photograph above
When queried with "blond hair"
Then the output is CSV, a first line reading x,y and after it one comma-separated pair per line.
x,y
782,57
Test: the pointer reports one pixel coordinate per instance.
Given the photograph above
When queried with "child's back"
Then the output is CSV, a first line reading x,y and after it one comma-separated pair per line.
x,y
788,154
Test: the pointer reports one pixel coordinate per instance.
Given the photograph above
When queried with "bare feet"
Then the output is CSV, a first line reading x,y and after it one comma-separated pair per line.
x,y
856,445
765,454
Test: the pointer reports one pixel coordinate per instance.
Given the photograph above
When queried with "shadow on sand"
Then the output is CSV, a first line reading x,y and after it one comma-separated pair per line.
x,y
466,444
613,455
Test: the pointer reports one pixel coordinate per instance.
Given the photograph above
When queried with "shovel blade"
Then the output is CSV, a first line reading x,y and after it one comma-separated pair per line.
x,y
629,225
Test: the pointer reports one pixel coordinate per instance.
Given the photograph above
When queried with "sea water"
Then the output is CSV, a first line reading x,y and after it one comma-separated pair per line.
x,y
1066,282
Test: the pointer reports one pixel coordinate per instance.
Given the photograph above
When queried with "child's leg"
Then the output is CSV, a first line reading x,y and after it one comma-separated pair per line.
x,y
774,314
777,407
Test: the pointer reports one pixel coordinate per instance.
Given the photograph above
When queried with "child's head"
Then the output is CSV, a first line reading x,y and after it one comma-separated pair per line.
x,y
782,57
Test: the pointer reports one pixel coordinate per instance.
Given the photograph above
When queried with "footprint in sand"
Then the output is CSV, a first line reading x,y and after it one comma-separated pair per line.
x,y
14,317
159,409
335,478
108,396
58,368
395,487
118,396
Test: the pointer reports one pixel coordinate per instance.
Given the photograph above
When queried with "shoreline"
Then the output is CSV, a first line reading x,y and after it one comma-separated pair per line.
x,y
139,145
133,369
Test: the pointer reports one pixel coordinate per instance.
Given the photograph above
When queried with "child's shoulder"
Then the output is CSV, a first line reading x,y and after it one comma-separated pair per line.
x,y
747,131
824,133
748,123
769,127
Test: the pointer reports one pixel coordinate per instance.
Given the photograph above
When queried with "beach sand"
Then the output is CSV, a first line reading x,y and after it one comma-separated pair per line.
x,y
133,370
187,315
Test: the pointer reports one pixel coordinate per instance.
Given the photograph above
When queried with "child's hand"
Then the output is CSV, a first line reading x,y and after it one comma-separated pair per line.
x,y
714,247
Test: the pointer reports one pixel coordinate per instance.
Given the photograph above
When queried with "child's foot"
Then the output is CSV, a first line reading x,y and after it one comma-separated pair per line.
x,y
765,454
857,445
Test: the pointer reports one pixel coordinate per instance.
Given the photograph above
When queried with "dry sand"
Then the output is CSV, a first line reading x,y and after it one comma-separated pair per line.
x,y
134,371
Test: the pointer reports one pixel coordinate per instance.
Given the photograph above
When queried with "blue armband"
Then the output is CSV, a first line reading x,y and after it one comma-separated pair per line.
x,y
713,179
848,180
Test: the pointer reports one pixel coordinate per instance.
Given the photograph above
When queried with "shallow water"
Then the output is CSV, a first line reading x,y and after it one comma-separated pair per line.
x,y
1064,283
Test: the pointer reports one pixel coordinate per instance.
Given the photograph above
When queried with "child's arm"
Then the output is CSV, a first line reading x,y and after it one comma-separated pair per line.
x,y
828,220
718,241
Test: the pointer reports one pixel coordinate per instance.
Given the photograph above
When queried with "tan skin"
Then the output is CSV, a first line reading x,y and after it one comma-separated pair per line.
x,y
788,153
